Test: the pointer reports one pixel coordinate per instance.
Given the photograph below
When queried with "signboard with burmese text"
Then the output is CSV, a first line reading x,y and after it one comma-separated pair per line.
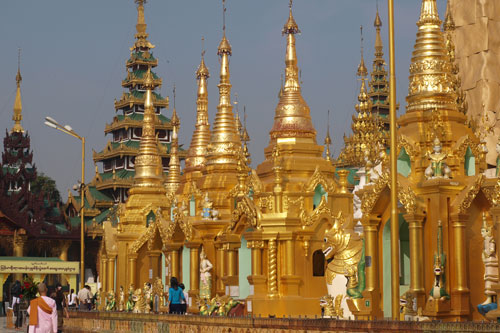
x,y
39,266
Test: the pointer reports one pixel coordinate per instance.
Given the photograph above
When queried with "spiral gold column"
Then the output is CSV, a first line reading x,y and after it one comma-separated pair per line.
x,y
132,260
273,269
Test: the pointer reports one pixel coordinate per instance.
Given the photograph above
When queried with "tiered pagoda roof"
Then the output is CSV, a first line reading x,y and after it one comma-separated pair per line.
x,y
118,156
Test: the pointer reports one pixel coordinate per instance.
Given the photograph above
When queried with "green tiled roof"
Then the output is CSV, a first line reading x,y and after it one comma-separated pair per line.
x,y
139,116
139,56
98,195
119,174
140,94
129,143
99,218
140,74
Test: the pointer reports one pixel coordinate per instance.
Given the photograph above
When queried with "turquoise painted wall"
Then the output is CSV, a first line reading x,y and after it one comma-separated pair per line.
x,y
470,163
404,257
186,261
404,163
163,271
192,207
319,192
244,268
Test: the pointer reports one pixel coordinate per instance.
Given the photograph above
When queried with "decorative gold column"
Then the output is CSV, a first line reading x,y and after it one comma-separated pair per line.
x,y
102,271
154,264
373,291
257,279
272,273
111,273
174,261
19,240
220,268
232,262
132,264
64,256
460,293
416,229
289,281
256,260
195,268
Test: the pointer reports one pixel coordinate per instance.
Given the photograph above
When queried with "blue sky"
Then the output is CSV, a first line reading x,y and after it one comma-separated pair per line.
x,y
74,53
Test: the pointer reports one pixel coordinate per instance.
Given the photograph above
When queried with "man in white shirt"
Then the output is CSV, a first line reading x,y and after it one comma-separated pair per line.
x,y
72,299
85,298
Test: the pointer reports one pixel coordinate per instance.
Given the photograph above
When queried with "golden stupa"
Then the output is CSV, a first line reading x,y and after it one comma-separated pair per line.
x,y
282,236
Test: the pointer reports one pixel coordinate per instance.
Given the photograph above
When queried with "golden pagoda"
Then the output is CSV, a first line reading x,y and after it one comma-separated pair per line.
x,y
368,138
284,207
133,247
443,190
18,106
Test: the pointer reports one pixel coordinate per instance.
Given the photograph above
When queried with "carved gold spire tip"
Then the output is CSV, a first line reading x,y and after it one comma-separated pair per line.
x,y
18,106
429,13
362,71
449,23
224,46
291,26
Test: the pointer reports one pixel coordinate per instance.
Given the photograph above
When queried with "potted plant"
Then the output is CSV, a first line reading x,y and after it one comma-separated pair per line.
x,y
29,290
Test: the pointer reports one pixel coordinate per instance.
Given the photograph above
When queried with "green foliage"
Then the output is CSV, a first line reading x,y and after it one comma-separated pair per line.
x,y
46,185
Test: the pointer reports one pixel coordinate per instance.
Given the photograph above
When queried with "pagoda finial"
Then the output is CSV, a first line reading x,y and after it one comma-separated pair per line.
x,y
429,13
362,71
224,132
148,165
292,116
174,167
245,137
449,23
328,140
427,82
224,46
141,26
196,155
378,39
18,106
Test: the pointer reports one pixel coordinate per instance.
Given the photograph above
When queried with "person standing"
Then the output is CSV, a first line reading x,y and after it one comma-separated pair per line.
x,y
175,296
186,297
61,306
72,299
15,293
85,298
43,313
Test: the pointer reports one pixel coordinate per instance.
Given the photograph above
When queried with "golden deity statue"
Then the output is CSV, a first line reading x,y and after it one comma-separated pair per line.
x,y
490,261
121,299
205,276
110,301
438,167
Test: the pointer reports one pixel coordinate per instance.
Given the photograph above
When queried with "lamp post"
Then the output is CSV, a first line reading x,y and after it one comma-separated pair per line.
x,y
394,171
51,122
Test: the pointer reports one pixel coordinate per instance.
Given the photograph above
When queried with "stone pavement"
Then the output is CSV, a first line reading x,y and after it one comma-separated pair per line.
x,y
3,325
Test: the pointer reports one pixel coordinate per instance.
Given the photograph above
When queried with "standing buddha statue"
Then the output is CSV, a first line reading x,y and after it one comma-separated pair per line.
x,y
121,299
490,261
205,276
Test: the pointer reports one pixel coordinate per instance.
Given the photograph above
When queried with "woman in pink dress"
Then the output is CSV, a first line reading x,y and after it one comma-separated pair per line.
x,y
43,313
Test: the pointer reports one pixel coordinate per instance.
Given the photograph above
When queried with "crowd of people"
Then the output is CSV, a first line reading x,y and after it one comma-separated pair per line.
x,y
47,312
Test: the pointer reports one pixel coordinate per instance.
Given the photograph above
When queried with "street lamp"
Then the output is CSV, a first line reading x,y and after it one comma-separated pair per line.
x,y
51,122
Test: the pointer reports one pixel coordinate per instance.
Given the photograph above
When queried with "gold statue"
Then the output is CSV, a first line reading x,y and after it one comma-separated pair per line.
x,y
208,212
121,300
157,295
332,307
147,297
344,253
205,276
130,301
490,261
110,301
407,306
438,168
139,302
438,291
98,300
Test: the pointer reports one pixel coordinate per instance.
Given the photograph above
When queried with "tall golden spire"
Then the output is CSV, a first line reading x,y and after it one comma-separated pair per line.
x,y
18,106
148,166
292,116
141,34
196,154
174,171
328,140
378,39
225,140
430,72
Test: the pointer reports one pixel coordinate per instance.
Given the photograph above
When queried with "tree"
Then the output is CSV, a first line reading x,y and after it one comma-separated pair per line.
x,y
47,185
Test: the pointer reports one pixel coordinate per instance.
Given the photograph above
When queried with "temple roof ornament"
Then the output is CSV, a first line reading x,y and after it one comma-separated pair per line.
x,y
141,35
367,137
379,84
18,106
292,116
174,173
328,140
196,155
225,142
148,166
431,69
